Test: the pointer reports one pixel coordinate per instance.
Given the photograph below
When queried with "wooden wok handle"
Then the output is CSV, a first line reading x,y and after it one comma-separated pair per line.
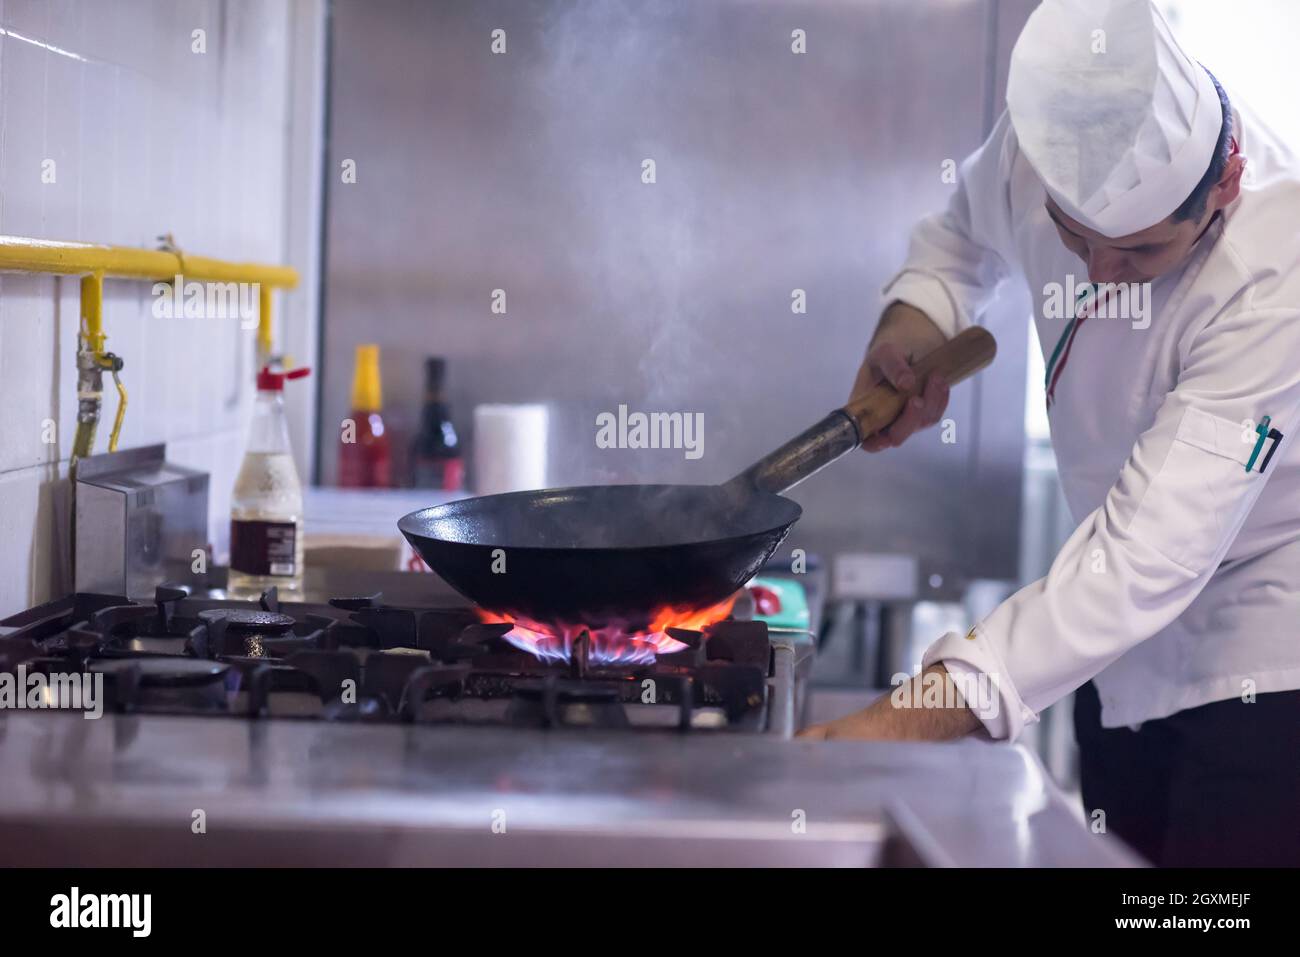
x,y
959,358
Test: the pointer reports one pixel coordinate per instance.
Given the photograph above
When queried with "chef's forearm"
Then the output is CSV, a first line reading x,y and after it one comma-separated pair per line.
x,y
910,328
921,721
909,713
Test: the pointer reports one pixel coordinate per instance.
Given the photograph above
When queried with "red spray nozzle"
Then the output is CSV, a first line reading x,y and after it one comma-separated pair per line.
x,y
269,380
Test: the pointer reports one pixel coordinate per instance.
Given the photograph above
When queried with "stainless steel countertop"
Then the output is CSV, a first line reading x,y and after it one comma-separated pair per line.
x,y
124,790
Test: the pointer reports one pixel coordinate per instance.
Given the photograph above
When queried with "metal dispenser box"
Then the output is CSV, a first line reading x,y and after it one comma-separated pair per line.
x,y
139,520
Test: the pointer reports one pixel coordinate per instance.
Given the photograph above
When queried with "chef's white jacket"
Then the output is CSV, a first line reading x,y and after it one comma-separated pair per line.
x,y
1181,584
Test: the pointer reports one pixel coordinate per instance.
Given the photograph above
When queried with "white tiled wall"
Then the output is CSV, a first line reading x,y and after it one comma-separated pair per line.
x,y
147,137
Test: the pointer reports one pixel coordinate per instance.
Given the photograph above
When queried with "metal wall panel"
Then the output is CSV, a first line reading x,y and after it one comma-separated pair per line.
x,y
775,171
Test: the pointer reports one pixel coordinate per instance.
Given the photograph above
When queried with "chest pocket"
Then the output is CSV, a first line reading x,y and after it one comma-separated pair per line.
x,y
1200,493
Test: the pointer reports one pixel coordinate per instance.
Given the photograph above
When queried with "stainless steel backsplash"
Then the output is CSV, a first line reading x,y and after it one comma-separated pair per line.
x,y
775,171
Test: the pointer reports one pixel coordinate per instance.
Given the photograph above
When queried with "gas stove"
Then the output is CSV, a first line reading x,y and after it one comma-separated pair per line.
x,y
398,727
361,659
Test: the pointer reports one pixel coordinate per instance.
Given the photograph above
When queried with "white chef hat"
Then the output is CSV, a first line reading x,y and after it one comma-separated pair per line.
x,y
1117,121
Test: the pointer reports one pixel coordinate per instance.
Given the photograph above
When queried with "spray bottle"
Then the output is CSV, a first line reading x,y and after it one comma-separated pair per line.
x,y
266,508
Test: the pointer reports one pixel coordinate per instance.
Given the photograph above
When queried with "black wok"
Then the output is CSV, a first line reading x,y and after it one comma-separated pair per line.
x,y
615,553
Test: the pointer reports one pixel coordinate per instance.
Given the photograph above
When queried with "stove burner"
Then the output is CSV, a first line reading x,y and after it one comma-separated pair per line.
x,y
251,633
245,620
359,659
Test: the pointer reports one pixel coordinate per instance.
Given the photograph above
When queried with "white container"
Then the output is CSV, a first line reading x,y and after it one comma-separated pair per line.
x,y
509,448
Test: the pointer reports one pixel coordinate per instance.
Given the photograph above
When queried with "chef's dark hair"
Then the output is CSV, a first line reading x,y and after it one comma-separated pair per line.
x,y
1193,207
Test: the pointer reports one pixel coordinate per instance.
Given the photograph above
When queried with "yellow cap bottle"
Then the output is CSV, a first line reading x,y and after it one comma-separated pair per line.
x,y
367,393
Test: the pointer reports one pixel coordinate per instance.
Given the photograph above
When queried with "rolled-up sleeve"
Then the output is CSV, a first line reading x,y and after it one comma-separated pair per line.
x,y
957,257
1138,561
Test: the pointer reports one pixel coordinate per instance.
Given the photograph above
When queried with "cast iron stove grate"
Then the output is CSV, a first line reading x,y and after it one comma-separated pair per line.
x,y
359,659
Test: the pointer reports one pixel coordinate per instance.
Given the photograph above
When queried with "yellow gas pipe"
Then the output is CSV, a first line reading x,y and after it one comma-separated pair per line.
x,y
18,254
93,263
263,325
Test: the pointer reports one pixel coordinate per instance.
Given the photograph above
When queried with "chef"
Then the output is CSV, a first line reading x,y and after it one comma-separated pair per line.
x,y
1122,180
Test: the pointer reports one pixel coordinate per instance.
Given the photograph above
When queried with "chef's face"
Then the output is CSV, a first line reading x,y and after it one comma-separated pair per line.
x,y
1145,255
1138,257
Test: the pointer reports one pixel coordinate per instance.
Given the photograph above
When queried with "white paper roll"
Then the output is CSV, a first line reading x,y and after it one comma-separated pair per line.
x,y
509,448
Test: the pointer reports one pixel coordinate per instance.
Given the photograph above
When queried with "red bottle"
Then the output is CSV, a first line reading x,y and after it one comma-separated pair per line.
x,y
365,458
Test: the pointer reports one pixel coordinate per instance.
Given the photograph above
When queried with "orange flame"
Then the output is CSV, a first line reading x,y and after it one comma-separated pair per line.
x,y
620,643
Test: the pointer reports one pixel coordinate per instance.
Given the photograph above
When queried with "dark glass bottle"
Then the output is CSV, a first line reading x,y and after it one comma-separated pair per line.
x,y
435,455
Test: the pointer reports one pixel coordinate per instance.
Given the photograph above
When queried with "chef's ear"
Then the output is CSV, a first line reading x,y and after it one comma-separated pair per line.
x,y
1229,185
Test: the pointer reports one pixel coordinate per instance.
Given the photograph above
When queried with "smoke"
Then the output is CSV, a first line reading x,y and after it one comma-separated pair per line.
x,y
641,244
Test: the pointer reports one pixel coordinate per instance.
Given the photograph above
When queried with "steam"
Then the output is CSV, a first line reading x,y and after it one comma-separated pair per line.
x,y
641,251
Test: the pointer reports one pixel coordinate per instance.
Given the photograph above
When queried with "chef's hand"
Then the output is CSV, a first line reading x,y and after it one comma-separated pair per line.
x,y
882,720
859,726
904,332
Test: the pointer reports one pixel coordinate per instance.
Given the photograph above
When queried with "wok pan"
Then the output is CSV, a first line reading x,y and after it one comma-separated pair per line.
x,y
600,555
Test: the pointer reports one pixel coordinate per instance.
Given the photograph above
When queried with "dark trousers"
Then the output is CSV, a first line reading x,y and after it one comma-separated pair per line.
x,y
1217,785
